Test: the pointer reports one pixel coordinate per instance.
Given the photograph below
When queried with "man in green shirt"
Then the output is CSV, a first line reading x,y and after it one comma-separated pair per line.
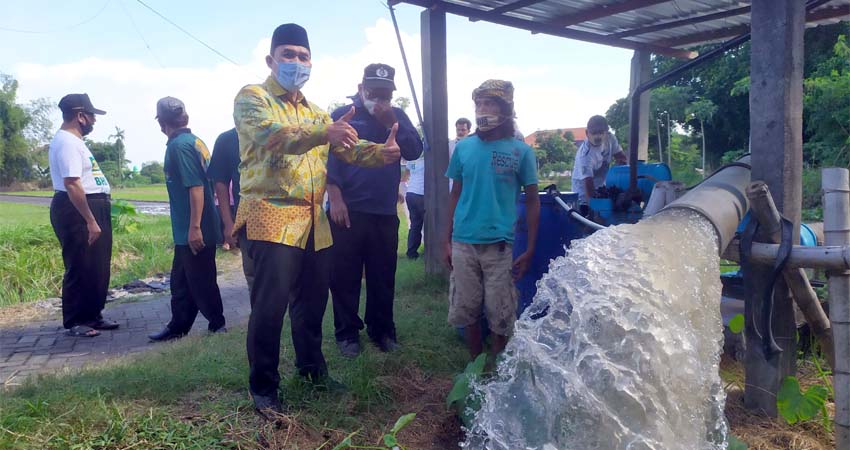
x,y
194,225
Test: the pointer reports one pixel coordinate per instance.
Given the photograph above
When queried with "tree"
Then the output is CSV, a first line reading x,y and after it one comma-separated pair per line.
x,y
110,156
703,110
827,118
554,152
120,151
39,130
402,103
153,171
14,149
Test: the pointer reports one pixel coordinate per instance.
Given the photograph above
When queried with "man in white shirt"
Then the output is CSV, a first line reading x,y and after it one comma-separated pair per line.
x,y
415,199
462,129
80,215
593,159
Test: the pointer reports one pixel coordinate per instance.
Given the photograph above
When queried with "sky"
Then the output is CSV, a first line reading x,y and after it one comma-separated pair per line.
x,y
125,57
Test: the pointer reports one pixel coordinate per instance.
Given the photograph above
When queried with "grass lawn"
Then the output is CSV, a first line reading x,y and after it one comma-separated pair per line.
x,y
148,193
193,395
31,267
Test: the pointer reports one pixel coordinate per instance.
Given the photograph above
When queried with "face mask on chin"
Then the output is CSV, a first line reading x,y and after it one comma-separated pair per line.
x,y
487,122
292,76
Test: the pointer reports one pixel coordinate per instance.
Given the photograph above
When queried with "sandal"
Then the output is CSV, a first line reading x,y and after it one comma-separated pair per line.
x,y
83,331
103,324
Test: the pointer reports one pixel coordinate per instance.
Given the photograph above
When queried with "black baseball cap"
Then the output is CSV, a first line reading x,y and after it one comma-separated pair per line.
x,y
78,102
169,108
379,76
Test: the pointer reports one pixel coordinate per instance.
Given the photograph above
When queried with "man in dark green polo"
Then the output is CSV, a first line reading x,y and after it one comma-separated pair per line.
x,y
194,224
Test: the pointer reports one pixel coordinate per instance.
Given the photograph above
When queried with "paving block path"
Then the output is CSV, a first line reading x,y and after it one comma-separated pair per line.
x,y
43,347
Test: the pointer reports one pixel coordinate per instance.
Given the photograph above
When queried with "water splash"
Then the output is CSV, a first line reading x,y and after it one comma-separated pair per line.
x,y
628,355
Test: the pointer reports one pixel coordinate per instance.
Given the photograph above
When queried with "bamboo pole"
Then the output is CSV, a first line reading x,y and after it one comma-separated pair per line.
x,y
834,257
836,227
765,212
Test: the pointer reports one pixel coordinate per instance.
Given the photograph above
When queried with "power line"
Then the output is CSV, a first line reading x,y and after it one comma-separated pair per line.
x,y
133,22
61,30
187,33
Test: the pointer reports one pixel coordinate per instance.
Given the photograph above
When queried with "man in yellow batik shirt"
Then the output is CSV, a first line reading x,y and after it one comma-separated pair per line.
x,y
284,143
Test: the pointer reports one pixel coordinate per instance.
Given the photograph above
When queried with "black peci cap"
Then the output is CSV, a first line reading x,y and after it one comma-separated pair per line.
x,y
290,34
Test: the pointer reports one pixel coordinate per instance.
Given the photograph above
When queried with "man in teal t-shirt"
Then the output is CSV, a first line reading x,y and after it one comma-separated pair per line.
x,y
489,169
194,225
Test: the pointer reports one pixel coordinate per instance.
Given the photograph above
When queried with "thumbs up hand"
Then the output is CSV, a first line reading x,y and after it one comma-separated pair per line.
x,y
341,134
391,151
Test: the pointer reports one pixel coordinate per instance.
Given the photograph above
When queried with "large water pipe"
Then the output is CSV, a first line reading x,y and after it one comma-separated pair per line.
x,y
721,199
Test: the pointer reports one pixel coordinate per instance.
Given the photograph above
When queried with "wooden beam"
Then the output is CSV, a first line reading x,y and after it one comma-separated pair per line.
x,y
605,10
436,112
776,131
549,29
826,13
683,22
641,72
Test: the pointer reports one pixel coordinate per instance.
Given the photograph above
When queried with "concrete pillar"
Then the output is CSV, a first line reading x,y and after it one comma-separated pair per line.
x,y
641,71
436,112
776,77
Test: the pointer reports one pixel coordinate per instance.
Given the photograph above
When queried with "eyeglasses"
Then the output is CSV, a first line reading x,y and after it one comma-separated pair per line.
x,y
379,95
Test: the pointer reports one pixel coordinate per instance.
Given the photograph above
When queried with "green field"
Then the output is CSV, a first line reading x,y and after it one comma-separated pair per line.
x,y
31,267
150,193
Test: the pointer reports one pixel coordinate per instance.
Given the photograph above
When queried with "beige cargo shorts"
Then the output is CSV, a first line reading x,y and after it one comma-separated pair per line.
x,y
481,280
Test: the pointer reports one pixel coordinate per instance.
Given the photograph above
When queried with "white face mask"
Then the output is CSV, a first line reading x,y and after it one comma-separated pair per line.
x,y
369,104
487,122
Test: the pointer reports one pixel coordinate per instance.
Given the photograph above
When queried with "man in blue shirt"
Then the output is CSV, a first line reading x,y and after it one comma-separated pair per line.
x,y
364,217
194,225
488,169
224,173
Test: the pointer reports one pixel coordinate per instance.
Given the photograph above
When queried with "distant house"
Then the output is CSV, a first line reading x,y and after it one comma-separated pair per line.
x,y
579,135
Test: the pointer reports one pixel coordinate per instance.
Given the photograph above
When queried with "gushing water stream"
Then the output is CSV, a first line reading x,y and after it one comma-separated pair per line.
x,y
627,356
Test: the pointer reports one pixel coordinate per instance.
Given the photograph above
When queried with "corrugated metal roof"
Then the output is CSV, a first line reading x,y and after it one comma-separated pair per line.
x,y
655,25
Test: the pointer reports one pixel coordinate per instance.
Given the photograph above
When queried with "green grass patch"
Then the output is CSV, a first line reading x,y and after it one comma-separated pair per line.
x,y
147,193
31,267
193,394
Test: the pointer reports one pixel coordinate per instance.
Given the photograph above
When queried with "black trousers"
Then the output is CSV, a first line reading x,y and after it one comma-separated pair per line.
x,y
297,278
86,279
371,242
416,208
194,288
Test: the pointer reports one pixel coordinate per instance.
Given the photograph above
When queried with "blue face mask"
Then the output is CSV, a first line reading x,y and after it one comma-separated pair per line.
x,y
292,76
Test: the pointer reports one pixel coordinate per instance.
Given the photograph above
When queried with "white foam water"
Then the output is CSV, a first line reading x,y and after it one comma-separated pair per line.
x,y
627,356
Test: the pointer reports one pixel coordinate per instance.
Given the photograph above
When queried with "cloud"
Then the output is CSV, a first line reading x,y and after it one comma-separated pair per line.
x,y
128,89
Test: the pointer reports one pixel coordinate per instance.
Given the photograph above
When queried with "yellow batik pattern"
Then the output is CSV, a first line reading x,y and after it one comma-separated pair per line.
x,y
284,151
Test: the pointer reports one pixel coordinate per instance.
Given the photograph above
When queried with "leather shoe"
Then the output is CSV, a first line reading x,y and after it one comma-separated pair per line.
x,y
103,324
387,344
349,349
165,335
267,405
